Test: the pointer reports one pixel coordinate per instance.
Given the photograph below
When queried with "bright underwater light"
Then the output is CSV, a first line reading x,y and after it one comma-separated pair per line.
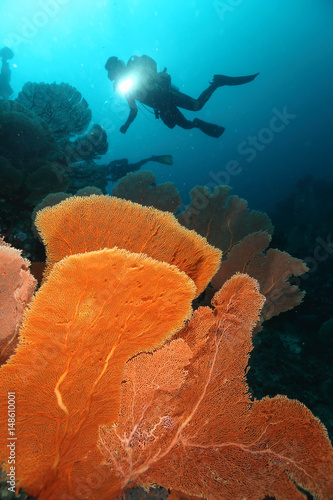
x,y
125,85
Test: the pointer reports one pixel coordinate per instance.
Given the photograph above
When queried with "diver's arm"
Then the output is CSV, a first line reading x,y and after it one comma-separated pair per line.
x,y
131,117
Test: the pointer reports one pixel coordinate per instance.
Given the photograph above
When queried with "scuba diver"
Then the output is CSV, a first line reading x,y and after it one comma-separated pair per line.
x,y
119,168
140,81
5,74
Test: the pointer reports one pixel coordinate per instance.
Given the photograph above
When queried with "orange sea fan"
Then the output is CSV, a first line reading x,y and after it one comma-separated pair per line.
x,y
84,224
95,311
272,269
140,187
192,426
224,220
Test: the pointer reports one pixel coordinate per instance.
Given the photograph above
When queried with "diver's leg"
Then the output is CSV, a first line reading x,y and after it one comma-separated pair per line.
x,y
174,117
139,164
181,100
208,128
171,116
220,80
186,102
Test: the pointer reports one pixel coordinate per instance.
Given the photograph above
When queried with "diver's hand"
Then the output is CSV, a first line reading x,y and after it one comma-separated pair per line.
x,y
123,129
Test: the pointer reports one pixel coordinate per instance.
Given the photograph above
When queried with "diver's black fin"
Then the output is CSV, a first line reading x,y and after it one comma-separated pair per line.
x,y
220,80
208,128
166,159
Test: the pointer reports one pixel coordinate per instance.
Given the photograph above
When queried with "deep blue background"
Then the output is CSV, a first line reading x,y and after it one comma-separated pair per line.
x,y
289,42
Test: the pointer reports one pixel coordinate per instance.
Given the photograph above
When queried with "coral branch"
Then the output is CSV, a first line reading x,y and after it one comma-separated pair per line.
x,y
83,224
205,437
224,220
17,286
139,187
272,270
61,106
94,312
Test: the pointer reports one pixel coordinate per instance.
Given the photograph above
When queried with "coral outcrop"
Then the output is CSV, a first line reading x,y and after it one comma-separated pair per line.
x,y
61,106
114,390
24,137
244,236
17,286
140,187
84,224
95,311
188,423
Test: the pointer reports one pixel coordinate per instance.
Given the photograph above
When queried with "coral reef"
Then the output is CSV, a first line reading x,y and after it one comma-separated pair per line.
x,y
243,237
140,187
36,153
224,220
272,269
182,416
61,106
10,177
48,178
95,311
83,224
24,137
66,114
84,173
17,286
191,426
86,147
31,165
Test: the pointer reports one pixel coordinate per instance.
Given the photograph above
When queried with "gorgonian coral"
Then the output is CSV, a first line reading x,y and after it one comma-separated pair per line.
x,y
61,106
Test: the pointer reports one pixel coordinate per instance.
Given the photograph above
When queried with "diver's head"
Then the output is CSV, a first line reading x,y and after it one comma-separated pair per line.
x,y
6,53
114,67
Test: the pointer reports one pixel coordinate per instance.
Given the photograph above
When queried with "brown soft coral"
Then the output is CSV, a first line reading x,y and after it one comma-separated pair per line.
x,y
243,236
224,220
140,187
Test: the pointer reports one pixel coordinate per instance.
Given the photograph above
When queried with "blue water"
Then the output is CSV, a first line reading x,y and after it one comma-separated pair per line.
x,y
289,43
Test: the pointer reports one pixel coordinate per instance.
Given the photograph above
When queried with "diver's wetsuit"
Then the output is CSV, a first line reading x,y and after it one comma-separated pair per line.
x,y
166,99
119,168
174,99
156,91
